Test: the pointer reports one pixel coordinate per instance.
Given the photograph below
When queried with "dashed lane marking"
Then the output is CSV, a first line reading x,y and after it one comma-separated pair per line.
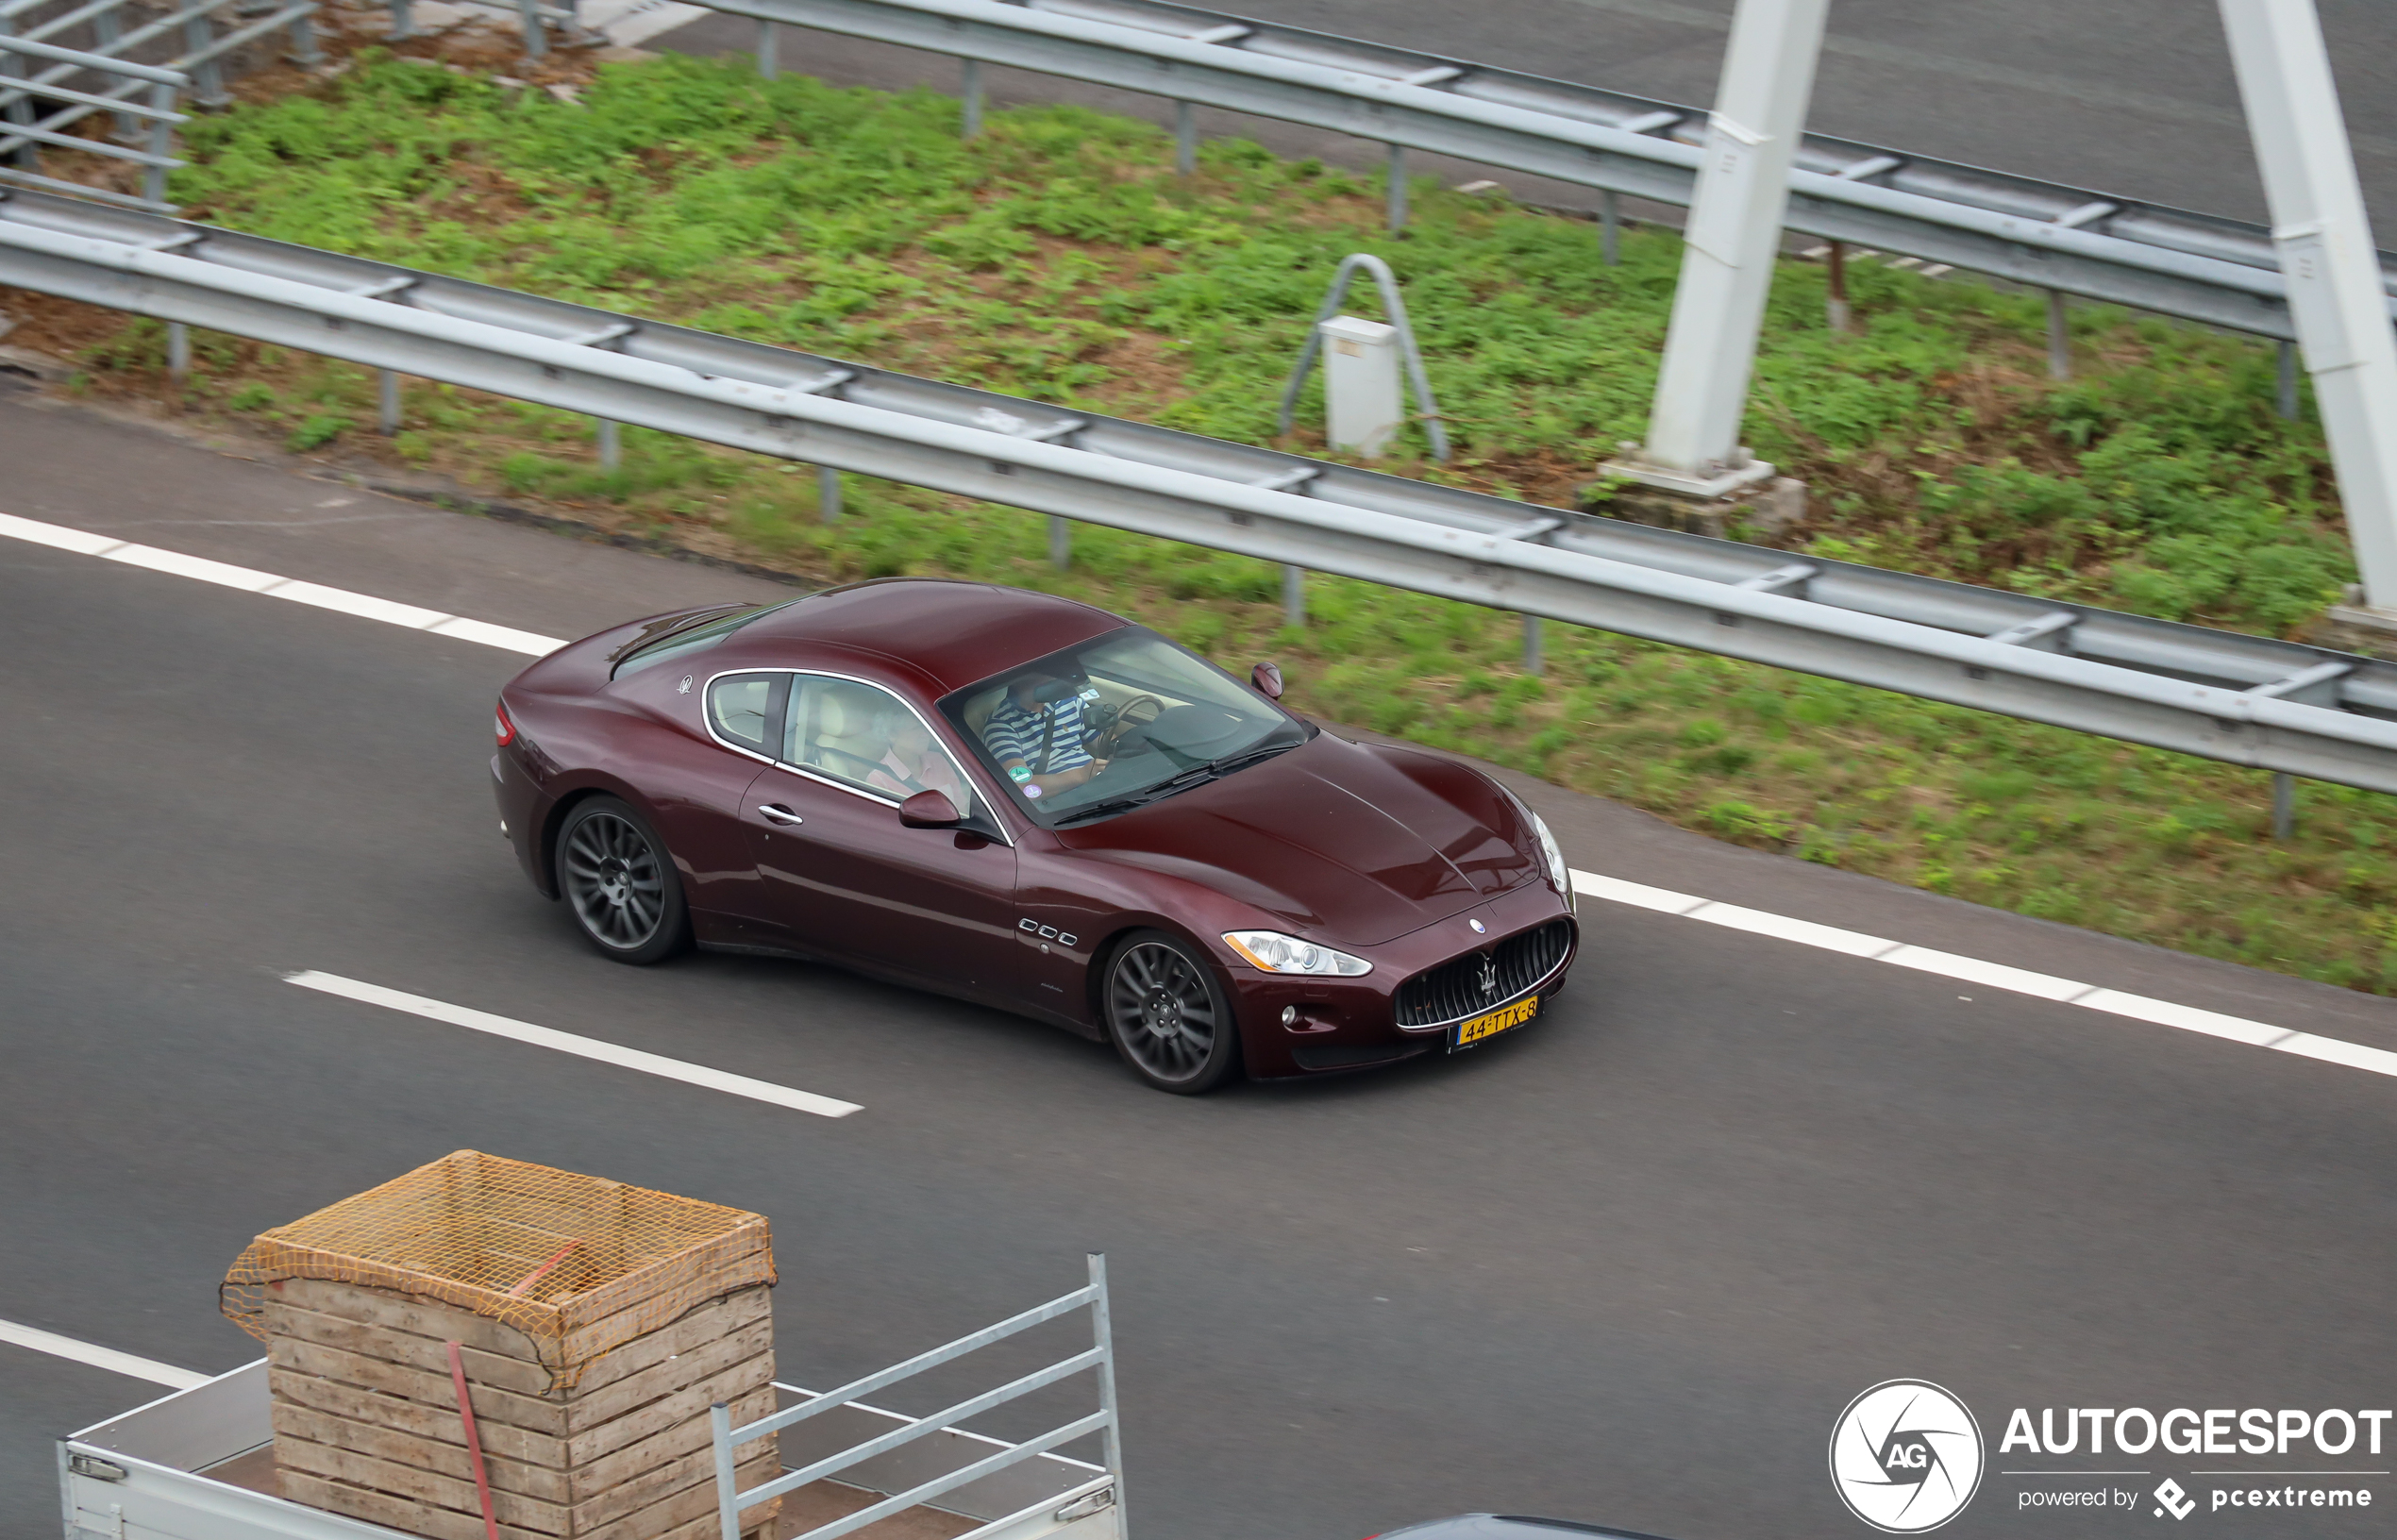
x,y
583,1048
100,1358
1970,970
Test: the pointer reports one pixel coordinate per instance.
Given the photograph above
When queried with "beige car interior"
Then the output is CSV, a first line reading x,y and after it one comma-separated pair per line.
x,y
832,732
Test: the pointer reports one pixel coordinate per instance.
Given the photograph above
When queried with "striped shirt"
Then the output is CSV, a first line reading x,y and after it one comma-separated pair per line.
x,y
1014,733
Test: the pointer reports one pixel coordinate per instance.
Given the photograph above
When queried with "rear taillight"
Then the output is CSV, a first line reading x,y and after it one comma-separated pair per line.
x,y
505,728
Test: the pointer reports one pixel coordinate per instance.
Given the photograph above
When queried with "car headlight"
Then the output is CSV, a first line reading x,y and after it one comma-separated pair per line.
x,y
1553,854
1277,953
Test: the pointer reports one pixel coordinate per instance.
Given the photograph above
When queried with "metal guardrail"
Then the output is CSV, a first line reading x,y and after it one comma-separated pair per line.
x,y
37,107
2200,267
2243,699
1100,1358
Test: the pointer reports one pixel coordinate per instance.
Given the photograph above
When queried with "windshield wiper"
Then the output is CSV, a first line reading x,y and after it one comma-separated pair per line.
x,y
1197,774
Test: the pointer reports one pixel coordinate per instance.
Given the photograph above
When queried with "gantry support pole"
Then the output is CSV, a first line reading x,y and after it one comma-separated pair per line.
x,y
2324,240
1733,237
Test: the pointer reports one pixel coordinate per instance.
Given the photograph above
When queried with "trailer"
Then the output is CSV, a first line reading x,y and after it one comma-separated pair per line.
x,y
199,1465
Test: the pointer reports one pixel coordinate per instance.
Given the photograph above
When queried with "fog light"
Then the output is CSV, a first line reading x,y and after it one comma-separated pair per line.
x,y
1289,1015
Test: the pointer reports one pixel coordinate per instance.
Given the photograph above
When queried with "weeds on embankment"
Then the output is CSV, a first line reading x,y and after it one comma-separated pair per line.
x,y
1059,257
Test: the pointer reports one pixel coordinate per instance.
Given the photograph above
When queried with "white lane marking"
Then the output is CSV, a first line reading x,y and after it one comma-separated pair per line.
x,y
1995,975
100,1358
251,580
586,1047
1689,906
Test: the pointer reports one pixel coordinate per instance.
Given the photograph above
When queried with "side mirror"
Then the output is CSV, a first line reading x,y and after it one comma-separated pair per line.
x,y
929,810
1267,679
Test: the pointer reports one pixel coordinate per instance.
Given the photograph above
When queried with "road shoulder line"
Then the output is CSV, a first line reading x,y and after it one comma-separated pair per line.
x,y
1971,970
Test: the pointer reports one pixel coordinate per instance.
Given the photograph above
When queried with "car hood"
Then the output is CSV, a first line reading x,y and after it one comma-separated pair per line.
x,y
1343,842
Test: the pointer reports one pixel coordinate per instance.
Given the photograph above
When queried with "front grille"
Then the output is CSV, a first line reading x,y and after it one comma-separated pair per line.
x,y
1453,991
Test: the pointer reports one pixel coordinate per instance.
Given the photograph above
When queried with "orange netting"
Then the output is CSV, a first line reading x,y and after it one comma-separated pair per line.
x,y
579,1264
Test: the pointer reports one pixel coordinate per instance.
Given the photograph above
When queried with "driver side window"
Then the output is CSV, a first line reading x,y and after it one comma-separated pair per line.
x,y
865,738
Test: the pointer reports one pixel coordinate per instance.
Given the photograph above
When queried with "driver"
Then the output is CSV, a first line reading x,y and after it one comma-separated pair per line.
x,y
1036,735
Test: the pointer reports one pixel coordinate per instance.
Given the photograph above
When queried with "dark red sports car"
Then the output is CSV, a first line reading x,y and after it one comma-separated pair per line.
x,y
1028,802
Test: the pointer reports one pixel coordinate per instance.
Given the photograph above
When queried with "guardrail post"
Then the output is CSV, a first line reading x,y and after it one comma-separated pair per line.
x,y
1061,542
162,143
208,80
2059,337
769,61
2324,241
387,402
1186,139
11,67
1836,315
178,351
304,50
106,29
828,494
1610,228
1398,188
1733,237
2285,398
536,30
403,20
2283,805
1293,595
1534,662
973,93
1111,1438
610,443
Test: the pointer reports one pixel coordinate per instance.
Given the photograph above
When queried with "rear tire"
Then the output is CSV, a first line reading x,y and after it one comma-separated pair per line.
x,y
620,884
1167,1017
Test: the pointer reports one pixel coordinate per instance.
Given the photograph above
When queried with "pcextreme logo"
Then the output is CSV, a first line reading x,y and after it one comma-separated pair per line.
x,y
1905,1456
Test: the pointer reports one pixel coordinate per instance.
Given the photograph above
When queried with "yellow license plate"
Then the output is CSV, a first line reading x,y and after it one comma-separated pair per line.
x,y
1478,1027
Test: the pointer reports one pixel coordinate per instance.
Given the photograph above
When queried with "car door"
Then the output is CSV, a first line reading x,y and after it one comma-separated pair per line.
x,y
848,879
696,786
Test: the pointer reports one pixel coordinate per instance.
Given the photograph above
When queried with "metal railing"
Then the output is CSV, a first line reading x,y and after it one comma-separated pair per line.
x,y
25,129
38,106
2243,699
2067,239
1099,1359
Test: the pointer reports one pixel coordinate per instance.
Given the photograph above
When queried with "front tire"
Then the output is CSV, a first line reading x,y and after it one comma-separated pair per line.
x,y
1167,1017
620,884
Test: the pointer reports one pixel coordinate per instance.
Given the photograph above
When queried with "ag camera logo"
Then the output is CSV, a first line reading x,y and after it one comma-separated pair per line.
x,y
1906,1456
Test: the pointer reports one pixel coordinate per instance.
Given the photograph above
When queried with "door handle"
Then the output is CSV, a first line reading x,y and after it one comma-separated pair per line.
x,y
775,812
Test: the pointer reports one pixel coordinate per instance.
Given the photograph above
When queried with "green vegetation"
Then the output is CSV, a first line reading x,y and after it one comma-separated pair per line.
x,y
1057,255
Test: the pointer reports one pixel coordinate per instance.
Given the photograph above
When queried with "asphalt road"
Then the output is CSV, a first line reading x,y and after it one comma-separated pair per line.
x,y
1626,1269
2134,97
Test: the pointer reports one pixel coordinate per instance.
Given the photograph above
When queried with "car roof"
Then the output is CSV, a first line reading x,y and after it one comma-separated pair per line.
x,y
952,634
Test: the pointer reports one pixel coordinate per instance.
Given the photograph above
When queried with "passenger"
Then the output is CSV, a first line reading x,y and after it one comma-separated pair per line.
x,y
1038,741
912,762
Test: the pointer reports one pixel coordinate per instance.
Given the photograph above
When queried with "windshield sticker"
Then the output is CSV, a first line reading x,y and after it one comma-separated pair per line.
x,y
1019,772
1032,791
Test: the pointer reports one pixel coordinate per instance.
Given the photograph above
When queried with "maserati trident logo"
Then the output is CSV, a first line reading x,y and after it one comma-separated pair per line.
x,y
1906,1456
1489,976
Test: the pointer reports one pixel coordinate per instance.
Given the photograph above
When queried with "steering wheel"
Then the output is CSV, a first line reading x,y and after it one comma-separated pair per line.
x,y
1139,711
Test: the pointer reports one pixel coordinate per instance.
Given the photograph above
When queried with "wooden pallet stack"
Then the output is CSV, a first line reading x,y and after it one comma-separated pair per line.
x,y
592,1422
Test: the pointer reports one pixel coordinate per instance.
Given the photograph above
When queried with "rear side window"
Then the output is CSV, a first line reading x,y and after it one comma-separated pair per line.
x,y
745,709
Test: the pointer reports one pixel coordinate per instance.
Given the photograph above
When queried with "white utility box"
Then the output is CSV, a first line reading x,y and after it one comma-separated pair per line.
x,y
1363,404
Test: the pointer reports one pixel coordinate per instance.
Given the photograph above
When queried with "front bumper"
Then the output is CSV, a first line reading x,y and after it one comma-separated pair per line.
x,y
1345,1024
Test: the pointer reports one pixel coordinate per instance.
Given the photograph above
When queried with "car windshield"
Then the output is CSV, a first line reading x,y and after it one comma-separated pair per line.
x,y
1114,724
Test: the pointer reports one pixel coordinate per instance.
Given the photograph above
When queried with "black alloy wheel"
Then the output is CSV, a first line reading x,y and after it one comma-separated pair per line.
x,y
1166,1015
620,883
